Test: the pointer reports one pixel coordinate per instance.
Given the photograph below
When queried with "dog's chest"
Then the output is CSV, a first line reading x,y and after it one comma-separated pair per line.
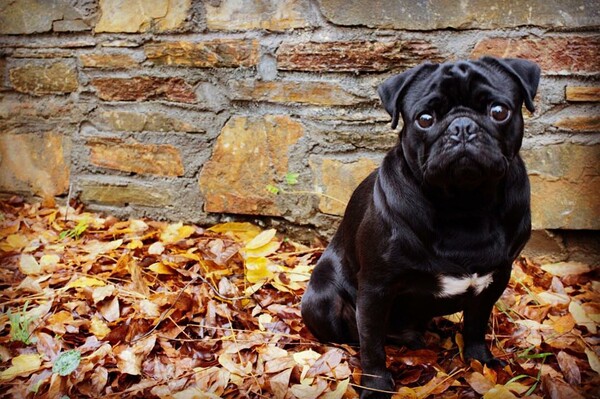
x,y
450,286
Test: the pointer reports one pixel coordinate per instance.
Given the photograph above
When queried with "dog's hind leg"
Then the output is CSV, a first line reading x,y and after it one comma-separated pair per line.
x,y
327,309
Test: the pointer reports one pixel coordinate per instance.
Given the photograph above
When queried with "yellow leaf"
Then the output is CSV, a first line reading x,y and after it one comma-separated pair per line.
x,y
593,360
160,268
306,357
405,393
82,282
22,365
581,317
176,232
340,390
266,250
14,242
99,328
244,231
28,265
134,244
499,392
262,239
257,269
49,262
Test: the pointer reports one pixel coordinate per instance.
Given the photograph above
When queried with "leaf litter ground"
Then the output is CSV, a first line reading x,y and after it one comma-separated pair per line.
x,y
92,306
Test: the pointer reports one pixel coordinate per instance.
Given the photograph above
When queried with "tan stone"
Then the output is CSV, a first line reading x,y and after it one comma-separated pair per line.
x,y
582,93
107,61
151,121
250,153
130,156
314,93
338,180
35,163
37,16
272,15
554,54
565,182
354,56
219,53
464,14
142,15
37,79
144,88
125,194
579,123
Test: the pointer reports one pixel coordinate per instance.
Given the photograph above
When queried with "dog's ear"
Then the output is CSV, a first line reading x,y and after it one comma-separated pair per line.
x,y
526,72
392,90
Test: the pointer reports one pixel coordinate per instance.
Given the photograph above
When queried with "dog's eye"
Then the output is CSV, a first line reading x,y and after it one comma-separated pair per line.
x,y
499,112
425,120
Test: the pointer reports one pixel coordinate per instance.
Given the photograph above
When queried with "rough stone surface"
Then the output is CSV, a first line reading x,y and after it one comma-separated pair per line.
x,y
55,78
130,156
107,61
38,16
272,15
315,93
354,56
479,14
250,153
144,88
580,123
132,16
37,163
565,182
554,54
337,181
125,194
582,93
150,122
220,53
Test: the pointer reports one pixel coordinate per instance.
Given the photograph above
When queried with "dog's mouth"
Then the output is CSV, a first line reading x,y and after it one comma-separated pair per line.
x,y
464,165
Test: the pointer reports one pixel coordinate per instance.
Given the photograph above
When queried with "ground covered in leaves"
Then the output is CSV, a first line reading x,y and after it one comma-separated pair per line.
x,y
92,306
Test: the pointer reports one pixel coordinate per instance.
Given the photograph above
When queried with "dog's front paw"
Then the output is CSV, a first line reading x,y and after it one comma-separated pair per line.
x,y
377,386
482,353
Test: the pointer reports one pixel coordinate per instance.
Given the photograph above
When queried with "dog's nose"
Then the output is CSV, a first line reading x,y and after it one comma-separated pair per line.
x,y
462,130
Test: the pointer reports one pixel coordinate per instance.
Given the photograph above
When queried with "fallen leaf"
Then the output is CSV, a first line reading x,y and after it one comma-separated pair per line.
x,y
499,392
261,239
22,365
563,269
479,383
82,282
593,360
569,368
28,265
555,388
156,248
66,362
581,317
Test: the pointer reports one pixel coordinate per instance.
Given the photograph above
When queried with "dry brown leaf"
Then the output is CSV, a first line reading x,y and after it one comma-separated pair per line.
x,y
569,368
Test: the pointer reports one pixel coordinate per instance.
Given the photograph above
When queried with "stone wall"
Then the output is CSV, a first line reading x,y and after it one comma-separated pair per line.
x,y
187,109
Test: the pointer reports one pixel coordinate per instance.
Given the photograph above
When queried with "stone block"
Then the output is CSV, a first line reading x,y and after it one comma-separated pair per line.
x,y
141,88
271,15
556,55
107,61
314,93
38,16
126,194
565,182
250,153
133,16
337,180
35,163
466,14
135,157
579,123
354,56
582,93
218,53
38,79
129,121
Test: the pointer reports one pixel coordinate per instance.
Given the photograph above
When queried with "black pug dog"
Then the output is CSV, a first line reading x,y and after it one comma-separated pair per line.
x,y
435,229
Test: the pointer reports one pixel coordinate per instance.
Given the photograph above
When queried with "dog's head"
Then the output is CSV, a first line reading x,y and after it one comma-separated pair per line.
x,y
462,121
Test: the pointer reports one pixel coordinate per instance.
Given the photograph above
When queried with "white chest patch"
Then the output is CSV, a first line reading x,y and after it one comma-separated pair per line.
x,y
451,286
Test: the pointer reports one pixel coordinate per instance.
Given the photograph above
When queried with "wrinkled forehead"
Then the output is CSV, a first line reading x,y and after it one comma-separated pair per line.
x,y
462,83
